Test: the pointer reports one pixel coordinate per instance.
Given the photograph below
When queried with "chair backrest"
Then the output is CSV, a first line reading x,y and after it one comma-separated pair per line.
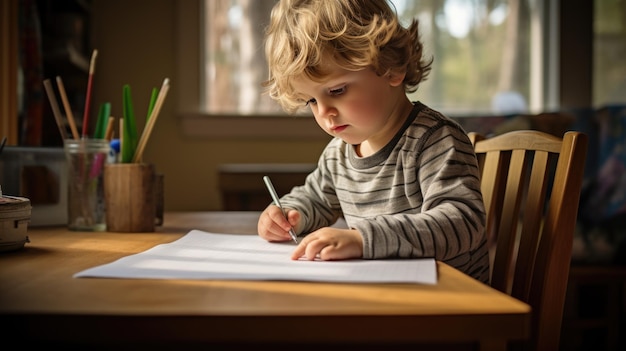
x,y
531,183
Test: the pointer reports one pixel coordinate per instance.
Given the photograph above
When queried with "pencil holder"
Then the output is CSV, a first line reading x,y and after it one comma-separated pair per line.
x,y
133,195
86,159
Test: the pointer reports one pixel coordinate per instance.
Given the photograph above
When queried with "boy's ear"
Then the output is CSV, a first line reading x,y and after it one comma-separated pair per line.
x,y
396,78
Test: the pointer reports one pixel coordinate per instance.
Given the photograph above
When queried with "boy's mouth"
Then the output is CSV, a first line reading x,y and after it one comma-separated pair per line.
x,y
339,129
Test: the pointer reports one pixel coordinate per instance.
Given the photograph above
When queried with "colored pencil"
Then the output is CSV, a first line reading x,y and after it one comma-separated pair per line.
x,y
151,120
103,120
55,107
68,109
92,68
108,135
153,97
130,127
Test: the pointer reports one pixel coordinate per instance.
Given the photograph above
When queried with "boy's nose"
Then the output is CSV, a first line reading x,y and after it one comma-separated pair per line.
x,y
326,109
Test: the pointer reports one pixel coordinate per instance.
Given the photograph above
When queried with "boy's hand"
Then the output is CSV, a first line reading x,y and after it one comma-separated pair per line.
x,y
273,226
330,244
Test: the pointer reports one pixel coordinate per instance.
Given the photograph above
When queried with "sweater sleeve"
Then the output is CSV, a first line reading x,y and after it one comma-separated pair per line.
x,y
316,199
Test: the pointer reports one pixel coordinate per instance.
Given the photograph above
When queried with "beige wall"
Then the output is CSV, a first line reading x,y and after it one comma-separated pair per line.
x,y
136,46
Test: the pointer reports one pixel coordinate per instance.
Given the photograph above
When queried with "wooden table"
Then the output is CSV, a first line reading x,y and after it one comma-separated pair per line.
x,y
40,301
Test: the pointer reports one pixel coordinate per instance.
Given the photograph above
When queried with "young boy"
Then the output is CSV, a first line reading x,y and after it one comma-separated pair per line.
x,y
403,176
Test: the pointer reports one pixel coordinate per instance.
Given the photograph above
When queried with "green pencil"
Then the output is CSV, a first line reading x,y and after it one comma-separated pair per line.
x,y
130,127
103,119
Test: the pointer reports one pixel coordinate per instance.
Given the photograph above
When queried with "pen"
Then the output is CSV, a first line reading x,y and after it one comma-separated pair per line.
x,y
272,191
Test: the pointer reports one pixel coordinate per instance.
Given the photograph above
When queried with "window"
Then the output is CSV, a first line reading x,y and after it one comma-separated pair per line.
x,y
481,48
491,56
234,64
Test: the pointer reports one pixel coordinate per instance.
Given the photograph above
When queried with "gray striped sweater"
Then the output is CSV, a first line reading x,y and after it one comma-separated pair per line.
x,y
419,196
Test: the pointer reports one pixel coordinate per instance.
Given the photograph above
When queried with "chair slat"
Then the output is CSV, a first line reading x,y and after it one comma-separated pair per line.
x,y
531,226
504,262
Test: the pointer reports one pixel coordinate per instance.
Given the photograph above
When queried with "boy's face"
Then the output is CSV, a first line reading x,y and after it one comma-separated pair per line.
x,y
356,106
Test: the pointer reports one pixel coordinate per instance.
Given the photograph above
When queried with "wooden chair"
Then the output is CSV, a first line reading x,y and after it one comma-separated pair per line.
x,y
531,183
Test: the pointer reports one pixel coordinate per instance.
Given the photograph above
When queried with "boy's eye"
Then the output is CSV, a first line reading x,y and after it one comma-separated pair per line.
x,y
331,92
337,91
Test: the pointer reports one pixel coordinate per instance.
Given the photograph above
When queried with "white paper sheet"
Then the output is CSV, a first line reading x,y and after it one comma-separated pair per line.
x,y
203,255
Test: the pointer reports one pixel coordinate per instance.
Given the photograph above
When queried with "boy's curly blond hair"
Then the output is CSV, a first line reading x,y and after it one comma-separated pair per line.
x,y
354,34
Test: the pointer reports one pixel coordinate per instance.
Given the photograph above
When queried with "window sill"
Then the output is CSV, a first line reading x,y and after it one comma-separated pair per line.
x,y
252,127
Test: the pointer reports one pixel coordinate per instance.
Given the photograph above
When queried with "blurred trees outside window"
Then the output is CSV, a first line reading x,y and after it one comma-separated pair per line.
x,y
490,56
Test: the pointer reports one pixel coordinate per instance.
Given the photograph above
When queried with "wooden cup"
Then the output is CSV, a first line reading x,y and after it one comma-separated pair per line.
x,y
133,195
